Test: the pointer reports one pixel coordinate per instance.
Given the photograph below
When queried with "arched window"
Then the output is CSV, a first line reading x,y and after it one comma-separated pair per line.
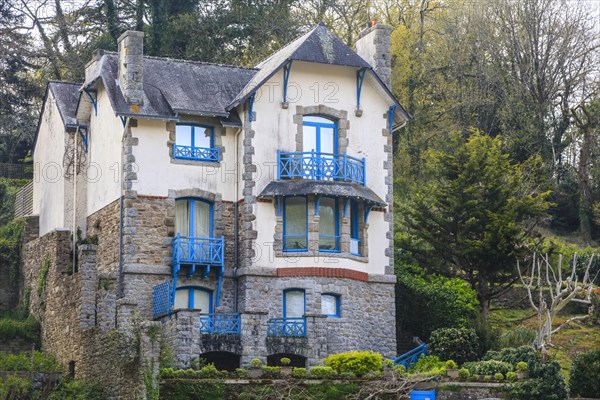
x,y
194,218
319,134
194,298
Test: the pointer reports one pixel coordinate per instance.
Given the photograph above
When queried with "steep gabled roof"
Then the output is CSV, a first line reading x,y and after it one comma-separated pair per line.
x,y
66,95
174,86
318,45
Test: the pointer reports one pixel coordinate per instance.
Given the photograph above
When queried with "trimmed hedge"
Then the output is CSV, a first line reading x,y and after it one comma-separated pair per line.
x,y
356,362
458,344
490,367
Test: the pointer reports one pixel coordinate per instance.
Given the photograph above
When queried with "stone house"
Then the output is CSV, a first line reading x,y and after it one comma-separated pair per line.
x,y
244,212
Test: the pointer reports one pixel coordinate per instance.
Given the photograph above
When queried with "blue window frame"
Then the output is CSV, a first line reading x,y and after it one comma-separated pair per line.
x,y
294,303
195,142
320,134
329,224
295,224
194,298
194,217
354,231
330,305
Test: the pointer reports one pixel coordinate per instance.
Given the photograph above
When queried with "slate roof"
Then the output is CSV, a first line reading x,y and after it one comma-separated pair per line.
x,y
318,45
66,95
174,86
298,187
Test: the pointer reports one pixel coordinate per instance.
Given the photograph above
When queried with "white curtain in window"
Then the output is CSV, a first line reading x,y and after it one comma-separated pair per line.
x,y
202,300
294,304
202,219
327,224
309,138
328,304
182,217
295,223
182,298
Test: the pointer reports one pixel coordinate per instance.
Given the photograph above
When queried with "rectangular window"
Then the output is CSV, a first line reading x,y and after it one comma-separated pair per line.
x,y
354,235
295,224
330,305
195,142
294,303
328,225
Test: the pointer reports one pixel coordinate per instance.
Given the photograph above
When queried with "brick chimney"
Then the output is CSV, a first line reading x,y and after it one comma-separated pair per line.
x,y
131,66
374,46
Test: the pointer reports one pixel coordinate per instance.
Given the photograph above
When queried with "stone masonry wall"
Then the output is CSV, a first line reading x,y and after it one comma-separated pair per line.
x,y
103,227
367,319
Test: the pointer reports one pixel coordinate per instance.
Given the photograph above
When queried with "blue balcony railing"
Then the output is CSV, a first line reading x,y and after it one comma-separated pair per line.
x,y
195,250
409,358
220,324
197,153
295,327
321,167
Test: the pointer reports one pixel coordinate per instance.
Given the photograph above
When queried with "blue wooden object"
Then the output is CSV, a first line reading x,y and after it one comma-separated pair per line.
x,y
220,324
199,252
422,394
321,166
211,154
409,358
163,298
360,77
288,327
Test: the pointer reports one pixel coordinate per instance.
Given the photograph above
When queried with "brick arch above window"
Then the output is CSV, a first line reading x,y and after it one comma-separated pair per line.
x,y
340,116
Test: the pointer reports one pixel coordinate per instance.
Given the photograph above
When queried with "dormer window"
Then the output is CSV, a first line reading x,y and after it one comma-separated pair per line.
x,y
195,142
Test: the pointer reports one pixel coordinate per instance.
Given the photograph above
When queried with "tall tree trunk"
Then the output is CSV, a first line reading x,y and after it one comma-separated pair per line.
x,y
63,28
111,19
583,123
139,15
52,56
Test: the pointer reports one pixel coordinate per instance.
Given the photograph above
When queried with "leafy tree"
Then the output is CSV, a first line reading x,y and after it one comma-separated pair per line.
x,y
474,214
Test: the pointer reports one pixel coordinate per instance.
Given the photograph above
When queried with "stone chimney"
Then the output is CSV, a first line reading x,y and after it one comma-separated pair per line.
x,y
374,46
131,66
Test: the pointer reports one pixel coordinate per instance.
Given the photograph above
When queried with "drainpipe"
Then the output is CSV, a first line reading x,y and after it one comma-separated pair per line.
x,y
74,267
120,279
236,223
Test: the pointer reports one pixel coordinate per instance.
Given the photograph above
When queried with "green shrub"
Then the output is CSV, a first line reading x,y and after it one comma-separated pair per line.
x,y
299,373
285,361
357,362
14,388
78,390
458,344
511,376
320,372
463,374
429,366
428,302
210,371
520,336
585,374
24,362
521,366
400,370
498,376
256,363
489,367
545,382
596,306
13,328
388,363
487,378
241,373
451,364
271,372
